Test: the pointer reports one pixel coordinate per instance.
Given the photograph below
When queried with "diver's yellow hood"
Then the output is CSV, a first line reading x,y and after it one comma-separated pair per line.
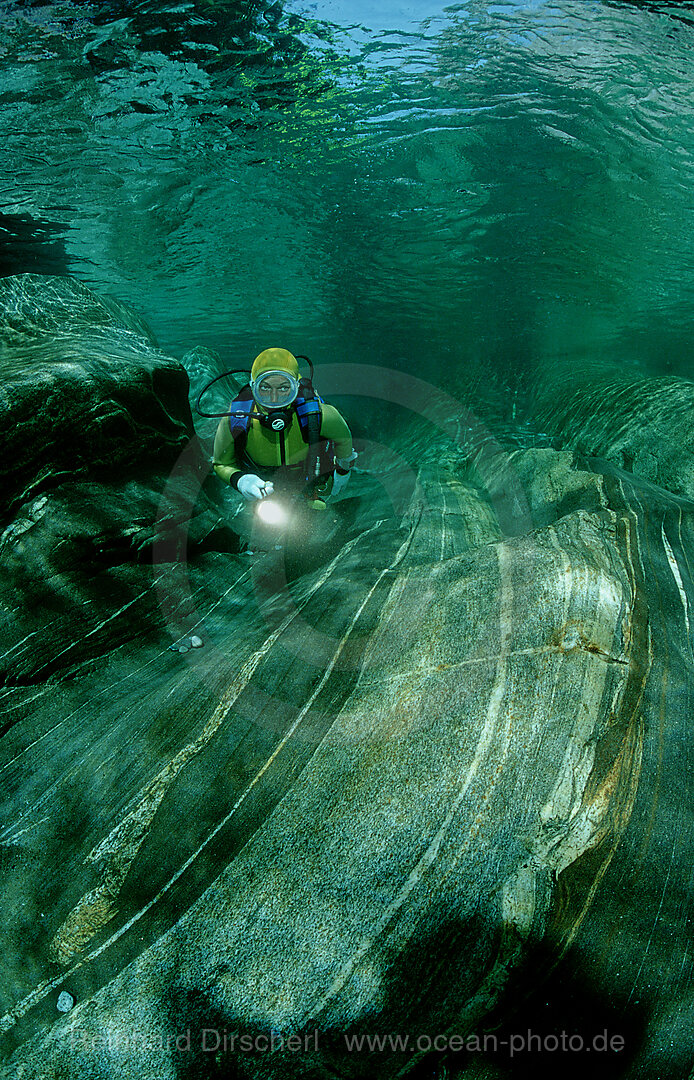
x,y
275,360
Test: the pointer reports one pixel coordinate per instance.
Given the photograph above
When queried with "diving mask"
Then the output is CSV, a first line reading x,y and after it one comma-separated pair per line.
x,y
275,389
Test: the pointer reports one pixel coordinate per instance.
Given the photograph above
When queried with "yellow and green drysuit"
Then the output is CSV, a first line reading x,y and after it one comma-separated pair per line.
x,y
282,455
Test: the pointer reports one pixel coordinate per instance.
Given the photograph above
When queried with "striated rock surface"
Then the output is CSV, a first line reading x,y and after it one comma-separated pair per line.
x,y
389,794
641,424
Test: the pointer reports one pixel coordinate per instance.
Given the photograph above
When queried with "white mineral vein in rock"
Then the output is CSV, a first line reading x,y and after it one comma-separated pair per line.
x,y
44,988
676,574
428,858
114,614
106,691
117,851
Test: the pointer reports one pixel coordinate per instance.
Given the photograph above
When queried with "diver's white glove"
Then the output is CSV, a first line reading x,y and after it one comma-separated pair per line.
x,y
346,463
340,478
339,483
252,487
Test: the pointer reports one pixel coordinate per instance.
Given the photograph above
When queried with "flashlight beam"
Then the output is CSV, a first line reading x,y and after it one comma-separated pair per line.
x,y
271,512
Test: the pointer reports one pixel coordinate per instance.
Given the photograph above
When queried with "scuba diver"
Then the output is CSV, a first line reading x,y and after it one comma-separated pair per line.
x,y
279,431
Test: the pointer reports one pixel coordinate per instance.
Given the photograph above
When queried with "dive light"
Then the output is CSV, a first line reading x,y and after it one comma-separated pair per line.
x,y
271,512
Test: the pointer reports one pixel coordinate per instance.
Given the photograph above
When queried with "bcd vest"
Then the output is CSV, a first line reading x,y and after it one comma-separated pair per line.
x,y
243,410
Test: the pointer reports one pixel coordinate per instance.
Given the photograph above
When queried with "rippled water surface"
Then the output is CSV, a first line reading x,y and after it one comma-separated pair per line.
x,y
455,190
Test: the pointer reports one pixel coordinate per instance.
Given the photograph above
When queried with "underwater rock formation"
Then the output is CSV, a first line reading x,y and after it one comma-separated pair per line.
x,y
95,421
641,424
387,781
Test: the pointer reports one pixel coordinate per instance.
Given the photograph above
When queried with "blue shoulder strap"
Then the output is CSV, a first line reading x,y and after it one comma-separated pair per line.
x,y
307,410
309,413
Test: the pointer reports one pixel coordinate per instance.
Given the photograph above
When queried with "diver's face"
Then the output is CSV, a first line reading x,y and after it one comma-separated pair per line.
x,y
275,389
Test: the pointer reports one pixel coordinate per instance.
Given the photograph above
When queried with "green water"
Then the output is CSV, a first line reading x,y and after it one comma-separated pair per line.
x,y
460,194
451,191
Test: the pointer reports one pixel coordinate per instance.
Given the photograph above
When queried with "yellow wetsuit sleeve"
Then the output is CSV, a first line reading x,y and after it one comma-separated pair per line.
x,y
333,427
224,454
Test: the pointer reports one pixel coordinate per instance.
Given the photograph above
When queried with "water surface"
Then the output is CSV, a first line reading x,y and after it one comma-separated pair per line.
x,y
454,190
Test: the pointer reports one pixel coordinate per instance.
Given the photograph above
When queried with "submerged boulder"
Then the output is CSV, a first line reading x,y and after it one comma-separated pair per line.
x,y
639,423
99,467
85,391
384,797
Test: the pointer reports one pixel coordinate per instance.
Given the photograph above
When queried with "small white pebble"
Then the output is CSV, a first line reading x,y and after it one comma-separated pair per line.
x,y
196,642
183,648
65,1001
